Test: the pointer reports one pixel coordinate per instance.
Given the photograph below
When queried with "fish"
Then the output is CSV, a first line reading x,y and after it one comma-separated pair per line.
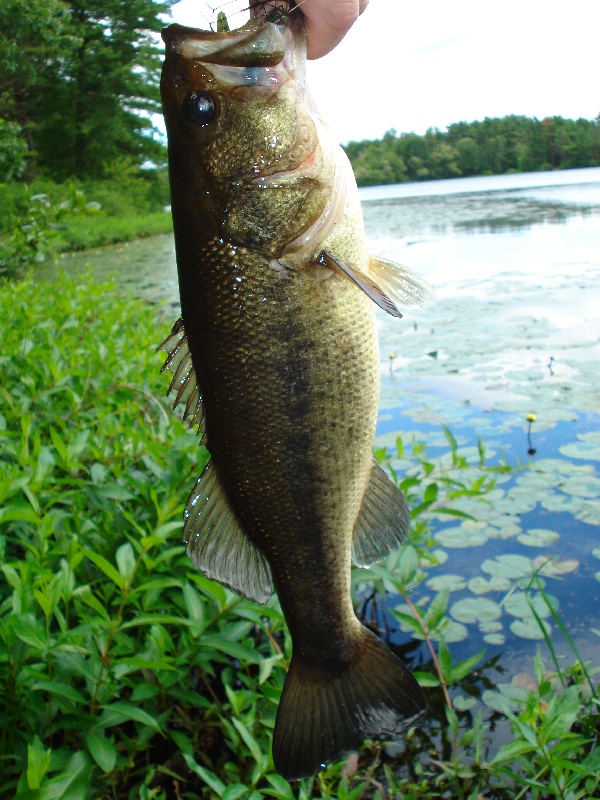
x,y
276,361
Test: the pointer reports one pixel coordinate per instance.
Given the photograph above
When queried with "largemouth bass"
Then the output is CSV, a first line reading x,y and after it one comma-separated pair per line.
x,y
276,359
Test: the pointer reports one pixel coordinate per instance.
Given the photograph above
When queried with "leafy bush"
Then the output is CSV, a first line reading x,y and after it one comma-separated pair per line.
x,y
38,225
13,151
124,672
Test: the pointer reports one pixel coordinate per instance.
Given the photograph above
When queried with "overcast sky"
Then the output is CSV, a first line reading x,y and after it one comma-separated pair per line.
x,y
416,65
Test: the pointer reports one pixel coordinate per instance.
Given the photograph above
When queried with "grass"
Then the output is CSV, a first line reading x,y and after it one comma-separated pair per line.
x,y
82,233
42,219
125,673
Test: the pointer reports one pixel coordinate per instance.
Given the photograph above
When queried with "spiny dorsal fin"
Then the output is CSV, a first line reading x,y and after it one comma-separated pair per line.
x,y
383,521
179,361
217,543
369,287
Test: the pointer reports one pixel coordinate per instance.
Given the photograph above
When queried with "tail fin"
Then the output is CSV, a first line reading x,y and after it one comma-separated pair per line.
x,y
320,717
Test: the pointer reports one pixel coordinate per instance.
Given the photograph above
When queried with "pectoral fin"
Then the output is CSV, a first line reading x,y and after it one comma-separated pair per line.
x,y
218,545
383,521
179,362
387,285
369,287
399,282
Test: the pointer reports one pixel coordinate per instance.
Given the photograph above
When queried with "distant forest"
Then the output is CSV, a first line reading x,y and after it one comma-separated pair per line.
x,y
491,147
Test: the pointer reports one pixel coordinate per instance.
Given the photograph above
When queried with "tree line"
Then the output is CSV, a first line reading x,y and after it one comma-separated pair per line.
x,y
78,82
491,147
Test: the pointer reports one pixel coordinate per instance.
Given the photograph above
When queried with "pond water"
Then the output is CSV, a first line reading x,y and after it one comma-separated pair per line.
x,y
514,262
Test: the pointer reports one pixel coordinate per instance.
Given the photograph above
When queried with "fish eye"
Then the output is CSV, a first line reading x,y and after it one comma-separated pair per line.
x,y
199,107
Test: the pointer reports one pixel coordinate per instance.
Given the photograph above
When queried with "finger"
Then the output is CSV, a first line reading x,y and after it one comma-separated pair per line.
x,y
327,22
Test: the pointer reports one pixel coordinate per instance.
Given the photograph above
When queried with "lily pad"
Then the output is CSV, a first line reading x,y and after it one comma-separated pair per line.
x,y
508,565
475,609
587,449
454,583
440,556
596,552
450,631
563,503
495,638
552,567
480,585
503,529
538,537
582,486
463,703
493,626
529,628
462,536
517,605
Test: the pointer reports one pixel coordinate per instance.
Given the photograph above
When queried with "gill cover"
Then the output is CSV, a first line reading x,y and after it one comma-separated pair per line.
x,y
249,160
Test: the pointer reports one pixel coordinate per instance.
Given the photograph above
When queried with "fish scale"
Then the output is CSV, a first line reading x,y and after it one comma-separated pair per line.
x,y
277,295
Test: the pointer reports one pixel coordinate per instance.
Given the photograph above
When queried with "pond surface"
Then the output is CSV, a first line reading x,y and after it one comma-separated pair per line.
x,y
514,261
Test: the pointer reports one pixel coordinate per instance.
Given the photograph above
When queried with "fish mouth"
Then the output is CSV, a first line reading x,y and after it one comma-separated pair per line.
x,y
259,44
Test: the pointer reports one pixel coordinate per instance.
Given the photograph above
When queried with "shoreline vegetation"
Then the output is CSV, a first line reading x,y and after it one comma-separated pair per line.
x,y
125,673
49,216
493,146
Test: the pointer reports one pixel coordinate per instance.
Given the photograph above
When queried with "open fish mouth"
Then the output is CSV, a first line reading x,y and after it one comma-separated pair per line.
x,y
260,43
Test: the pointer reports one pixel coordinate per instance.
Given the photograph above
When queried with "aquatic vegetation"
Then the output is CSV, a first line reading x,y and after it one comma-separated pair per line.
x,y
125,673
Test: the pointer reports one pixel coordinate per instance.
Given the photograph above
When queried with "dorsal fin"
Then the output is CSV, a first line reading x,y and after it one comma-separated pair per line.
x,y
383,521
179,362
218,545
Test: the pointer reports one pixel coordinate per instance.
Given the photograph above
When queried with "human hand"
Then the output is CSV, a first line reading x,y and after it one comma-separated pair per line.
x,y
327,22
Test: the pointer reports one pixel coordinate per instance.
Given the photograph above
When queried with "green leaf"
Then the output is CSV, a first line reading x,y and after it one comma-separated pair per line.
x,y
153,619
31,631
234,791
234,649
207,776
431,493
408,620
281,789
408,565
38,761
85,593
512,750
250,742
59,445
102,750
106,567
426,679
126,561
437,609
445,659
463,668
62,689
115,713
193,603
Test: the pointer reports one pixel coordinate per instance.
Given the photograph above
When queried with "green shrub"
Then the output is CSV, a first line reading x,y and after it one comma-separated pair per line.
x,y
126,673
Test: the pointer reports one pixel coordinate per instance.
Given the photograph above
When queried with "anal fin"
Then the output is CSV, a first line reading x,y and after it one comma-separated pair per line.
x,y
383,520
184,381
217,543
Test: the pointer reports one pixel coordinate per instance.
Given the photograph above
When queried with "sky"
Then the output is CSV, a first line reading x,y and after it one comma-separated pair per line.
x,y
414,65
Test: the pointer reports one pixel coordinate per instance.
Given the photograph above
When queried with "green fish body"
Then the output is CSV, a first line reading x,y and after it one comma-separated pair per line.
x,y
276,359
